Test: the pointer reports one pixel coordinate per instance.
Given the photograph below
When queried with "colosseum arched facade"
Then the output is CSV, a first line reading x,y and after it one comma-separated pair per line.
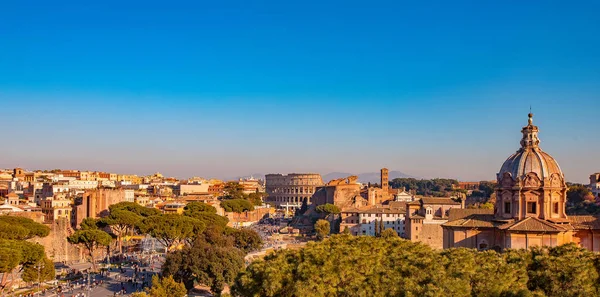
x,y
292,189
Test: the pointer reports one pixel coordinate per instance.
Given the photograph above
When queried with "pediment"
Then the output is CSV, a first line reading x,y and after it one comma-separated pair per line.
x,y
531,180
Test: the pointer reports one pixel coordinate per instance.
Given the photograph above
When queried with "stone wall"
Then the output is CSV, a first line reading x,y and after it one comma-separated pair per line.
x,y
56,245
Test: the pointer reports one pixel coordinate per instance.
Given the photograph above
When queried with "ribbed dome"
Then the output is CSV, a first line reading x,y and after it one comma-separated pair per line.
x,y
530,158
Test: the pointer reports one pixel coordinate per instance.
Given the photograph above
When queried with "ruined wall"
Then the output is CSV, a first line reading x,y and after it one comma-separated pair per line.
x,y
56,245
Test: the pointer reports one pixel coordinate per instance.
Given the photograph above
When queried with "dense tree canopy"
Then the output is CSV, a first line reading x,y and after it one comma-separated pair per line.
x,y
89,224
13,227
21,253
208,217
580,200
485,189
244,239
368,266
171,229
322,228
328,208
237,205
234,190
91,239
195,207
163,287
135,208
440,187
121,221
15,252
387,233
42,271
214,264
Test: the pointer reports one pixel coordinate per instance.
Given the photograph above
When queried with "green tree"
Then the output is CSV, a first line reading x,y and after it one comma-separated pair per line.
x,y
580,200
347,266
237,205
171,229
578,193
15,252
369,266
193,208
166,287
257,198
434,187
388,233
135,208
91,240
121,222
566,270
346,231
244,239
209,219
19,228
322,227
214,265
89,224
328,209
42,271
234,190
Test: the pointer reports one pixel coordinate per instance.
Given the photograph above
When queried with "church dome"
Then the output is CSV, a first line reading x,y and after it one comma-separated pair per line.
x,y
530,158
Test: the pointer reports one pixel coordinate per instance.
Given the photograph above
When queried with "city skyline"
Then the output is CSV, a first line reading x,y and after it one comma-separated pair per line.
x,y
201,89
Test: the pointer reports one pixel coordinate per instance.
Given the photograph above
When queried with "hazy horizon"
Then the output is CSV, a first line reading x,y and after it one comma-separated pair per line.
x,y
437,89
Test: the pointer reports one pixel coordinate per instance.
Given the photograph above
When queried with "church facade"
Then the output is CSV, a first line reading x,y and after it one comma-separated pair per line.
x,y
530,207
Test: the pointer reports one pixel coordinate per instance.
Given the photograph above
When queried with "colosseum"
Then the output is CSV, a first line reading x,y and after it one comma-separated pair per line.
x,y
291,190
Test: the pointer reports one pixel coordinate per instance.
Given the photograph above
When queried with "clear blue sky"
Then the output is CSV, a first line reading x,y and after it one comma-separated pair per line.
x,y
228,88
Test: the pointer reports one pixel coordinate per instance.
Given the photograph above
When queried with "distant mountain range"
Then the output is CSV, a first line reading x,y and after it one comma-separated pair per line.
x,y
368,177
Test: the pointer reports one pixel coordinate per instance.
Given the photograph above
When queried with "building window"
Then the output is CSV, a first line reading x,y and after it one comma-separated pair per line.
x,y
531,207
555,207
416,228
507,207
364,221
483,245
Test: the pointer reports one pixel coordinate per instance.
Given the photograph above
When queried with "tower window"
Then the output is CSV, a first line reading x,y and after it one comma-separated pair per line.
x,y
555,207
506,207
531,207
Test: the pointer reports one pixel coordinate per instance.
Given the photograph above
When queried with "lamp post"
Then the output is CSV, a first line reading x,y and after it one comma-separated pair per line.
x,y
39,267
89,288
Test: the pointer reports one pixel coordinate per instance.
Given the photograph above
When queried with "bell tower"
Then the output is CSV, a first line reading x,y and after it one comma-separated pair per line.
x,y
385,186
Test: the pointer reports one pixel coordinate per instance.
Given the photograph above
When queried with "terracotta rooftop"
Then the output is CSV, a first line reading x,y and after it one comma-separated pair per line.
x,y
444,201
459,213
585,222
534,224
474,221
397,204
